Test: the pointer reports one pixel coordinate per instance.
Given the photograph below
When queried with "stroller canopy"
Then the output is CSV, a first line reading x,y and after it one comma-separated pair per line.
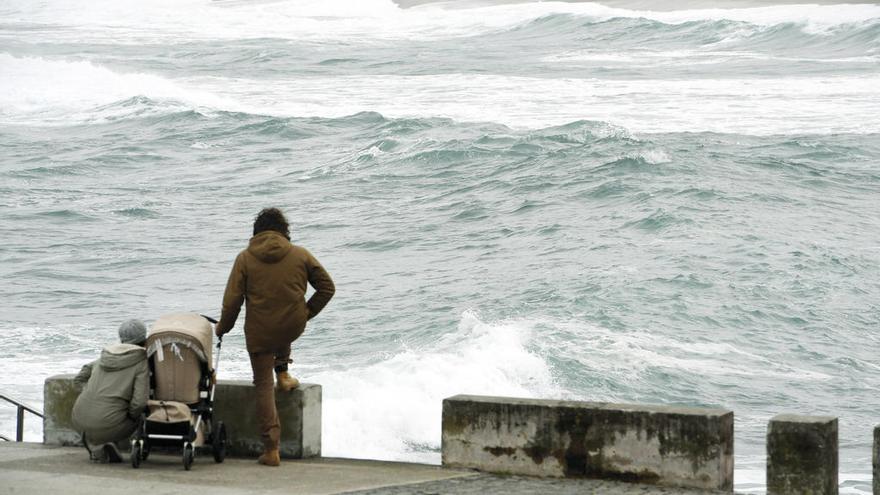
x,y
190,330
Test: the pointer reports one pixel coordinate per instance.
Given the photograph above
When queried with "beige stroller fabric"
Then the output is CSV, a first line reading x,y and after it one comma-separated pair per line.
x,y
168,412
178,344
161,411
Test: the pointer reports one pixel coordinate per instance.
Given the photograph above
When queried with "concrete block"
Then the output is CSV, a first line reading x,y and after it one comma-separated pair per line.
x,y
59,394
876,460
299,412
802,455
674,446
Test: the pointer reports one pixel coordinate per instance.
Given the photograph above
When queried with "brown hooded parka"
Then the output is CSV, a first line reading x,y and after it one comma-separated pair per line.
x,y
271,277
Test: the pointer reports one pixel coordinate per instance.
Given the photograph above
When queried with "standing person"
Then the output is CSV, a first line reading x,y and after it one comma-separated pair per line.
x,y
271,275
116,390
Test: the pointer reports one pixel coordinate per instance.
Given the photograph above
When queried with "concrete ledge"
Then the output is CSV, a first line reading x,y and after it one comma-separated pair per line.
x,y
875,461
59,394
675,446
802,455
299,412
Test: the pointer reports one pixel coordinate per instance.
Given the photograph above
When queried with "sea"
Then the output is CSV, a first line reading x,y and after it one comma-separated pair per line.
x,y
535,199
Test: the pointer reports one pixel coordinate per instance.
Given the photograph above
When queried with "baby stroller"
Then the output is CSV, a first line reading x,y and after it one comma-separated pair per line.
x,y
180,410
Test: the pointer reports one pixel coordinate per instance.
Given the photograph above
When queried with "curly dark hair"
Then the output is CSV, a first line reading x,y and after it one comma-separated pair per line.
x,y
271,219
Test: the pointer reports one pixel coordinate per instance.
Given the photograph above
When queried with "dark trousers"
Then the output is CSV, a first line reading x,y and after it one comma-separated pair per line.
x,y
263,365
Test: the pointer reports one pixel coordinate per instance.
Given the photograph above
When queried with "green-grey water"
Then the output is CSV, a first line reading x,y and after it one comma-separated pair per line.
x,y
539,199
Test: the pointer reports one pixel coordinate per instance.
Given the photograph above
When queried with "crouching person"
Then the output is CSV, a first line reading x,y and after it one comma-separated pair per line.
x,y
115,394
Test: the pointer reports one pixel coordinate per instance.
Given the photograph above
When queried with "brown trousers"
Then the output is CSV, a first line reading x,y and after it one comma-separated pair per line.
x,y
263,365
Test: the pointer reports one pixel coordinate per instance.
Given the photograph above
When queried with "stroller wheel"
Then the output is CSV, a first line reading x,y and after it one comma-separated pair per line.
x,y
218,443
136,454
188,455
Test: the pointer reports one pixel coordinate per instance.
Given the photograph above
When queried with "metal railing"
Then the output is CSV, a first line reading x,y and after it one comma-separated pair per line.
x,y
19,423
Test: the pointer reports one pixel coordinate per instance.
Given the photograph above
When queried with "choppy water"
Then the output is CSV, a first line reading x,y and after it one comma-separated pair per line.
x,y
540,199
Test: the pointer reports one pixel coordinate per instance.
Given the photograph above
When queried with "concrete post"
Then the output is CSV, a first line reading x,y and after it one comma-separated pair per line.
x,y
802,455
59,394
876,460
675,446
299,412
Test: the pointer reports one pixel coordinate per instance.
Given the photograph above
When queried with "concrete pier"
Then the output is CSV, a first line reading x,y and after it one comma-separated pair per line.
x,y
27,468
299,412
802,455
675,446
35,468
573,448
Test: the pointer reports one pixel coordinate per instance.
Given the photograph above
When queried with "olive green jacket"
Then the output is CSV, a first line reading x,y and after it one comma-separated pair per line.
x,y
271,278
115,393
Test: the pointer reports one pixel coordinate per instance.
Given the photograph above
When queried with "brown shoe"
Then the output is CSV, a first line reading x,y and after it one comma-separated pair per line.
x,y
287,382
270,458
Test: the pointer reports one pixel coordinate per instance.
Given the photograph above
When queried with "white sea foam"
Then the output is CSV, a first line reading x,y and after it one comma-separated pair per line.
x,y
825,104
30,355
672,58
630,356
50,91
655,156
123,20
34,90
392,409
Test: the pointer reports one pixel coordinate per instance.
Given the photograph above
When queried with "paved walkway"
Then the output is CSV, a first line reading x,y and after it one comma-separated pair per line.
x,y
485,484
27,468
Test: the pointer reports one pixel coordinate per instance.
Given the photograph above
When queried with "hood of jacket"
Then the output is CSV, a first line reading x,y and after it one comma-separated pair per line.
x,y
269,246
120,356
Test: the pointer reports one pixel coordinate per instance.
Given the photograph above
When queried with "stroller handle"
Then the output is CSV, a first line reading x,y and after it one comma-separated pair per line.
x,y
212,320
216,365
217,354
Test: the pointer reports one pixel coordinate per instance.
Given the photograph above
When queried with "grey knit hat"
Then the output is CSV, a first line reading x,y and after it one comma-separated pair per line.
x,y
133,332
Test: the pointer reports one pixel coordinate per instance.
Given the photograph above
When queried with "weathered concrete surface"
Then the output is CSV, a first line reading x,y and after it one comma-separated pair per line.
x,y
59,394
299,412
802,455
35,468
486,484
675,446
876,460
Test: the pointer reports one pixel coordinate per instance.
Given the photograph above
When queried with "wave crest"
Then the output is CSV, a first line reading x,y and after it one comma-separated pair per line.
x,y
367,19
48,91
391,409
